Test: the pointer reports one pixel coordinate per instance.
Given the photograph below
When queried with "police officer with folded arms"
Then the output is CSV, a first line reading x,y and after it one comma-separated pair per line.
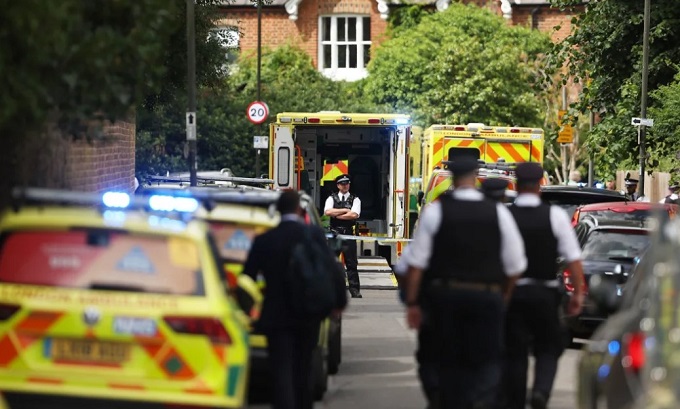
x,y
466,254
533,312
344,209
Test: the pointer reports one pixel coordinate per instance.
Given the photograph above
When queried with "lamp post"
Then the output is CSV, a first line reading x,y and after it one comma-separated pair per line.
x,y
643,102
259,65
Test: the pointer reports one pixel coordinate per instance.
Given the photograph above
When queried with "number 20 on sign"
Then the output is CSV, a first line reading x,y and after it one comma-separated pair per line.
x,y
257,112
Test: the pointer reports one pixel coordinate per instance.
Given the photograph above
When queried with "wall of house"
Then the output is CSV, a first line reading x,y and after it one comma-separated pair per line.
x,y
278,29
107,164
545,19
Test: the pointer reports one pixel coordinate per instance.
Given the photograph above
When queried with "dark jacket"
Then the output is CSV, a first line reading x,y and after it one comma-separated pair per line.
x,y
270,254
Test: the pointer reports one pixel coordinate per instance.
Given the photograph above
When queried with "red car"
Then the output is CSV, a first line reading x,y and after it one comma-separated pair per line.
x,y
623,210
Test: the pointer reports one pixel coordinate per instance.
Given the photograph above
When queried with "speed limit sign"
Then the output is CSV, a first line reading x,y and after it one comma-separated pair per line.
x,y
257,112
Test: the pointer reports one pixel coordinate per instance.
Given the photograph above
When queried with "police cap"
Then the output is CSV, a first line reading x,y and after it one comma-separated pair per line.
x,y
342,179
462,166
494,187
529,172
631,182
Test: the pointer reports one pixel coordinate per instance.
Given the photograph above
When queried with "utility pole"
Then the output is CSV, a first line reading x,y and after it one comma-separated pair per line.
x,y
563,147
643,102
191,90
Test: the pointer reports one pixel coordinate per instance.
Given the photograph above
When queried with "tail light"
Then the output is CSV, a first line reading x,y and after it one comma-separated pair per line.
x,y
575,217
569,282
634,351
7,310
210,327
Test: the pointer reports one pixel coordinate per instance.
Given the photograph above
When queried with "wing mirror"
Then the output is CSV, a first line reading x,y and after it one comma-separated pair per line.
x,y
248,297
605,293
334,243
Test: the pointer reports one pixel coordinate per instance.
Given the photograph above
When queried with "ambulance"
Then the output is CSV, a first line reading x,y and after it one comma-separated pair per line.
x,y
309,149
501,148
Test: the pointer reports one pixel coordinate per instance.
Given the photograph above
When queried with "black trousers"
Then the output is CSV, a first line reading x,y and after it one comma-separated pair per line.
x,y
349,253
468,326
427,358
290,353
533,324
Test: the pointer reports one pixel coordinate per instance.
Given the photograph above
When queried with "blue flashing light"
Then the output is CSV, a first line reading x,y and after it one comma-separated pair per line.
x,y
119,200
402,121
171,203
614,347
603,371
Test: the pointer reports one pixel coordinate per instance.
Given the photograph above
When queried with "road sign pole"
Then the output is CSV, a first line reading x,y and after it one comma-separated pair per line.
x,y
191,87
643,102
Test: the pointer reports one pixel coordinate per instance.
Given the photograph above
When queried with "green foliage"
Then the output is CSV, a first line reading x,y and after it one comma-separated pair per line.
x,y
462,65
605,52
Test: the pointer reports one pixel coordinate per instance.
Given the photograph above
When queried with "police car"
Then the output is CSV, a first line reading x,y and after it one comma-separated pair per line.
x,y
101,302
235,216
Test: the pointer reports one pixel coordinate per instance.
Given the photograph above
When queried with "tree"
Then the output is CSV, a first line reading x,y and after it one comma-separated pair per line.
x,y
67,63
462,65
605,51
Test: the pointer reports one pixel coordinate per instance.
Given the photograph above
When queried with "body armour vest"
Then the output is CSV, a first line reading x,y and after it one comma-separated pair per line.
x,y
342,204
539,240
467,246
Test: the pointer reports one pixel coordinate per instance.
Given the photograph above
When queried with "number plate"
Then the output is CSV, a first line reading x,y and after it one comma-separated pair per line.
x,y
89,351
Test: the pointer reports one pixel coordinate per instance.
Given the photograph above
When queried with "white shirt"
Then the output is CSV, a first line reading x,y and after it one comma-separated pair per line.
x,y
567,243
513,256
356,204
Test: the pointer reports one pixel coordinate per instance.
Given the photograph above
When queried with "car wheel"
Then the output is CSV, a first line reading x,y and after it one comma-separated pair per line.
x,y
319,373
335,347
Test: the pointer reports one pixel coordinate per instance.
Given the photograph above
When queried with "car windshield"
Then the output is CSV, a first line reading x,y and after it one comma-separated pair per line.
x,y
101,260
607,245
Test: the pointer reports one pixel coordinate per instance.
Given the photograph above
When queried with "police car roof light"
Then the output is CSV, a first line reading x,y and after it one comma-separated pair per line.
x,y
118,200
173,203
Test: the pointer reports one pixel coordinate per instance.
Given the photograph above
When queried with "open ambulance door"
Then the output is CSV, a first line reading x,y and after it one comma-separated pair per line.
x,y
283,157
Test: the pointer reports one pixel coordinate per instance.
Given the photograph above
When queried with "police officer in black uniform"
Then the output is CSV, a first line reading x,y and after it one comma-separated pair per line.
x,y
344,209
533,312
494,189
465,256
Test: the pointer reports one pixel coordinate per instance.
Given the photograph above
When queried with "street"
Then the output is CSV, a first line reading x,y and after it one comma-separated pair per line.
x,y
378,368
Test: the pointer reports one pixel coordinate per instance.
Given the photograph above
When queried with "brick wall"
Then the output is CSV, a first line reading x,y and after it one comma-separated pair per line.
x,y
106,164
545,19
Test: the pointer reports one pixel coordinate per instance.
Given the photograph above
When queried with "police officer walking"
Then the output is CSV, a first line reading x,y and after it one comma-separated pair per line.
x,y
494,189
344,209
533,312
463,261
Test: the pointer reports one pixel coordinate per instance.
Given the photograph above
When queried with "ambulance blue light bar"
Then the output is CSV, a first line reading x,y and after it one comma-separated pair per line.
x,y
173,203
119,200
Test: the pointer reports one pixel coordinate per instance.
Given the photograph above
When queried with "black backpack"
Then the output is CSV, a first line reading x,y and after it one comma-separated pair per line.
x,y
312,273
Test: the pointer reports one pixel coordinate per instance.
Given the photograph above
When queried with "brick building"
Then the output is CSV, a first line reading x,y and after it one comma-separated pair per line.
x,y
339,34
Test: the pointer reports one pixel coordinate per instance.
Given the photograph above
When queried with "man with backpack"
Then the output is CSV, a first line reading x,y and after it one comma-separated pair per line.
x,y
292,288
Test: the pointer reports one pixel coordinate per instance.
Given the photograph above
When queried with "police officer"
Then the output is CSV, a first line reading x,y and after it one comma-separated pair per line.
x,y
465,256
344,209
533,312
631,188
672,196
494,189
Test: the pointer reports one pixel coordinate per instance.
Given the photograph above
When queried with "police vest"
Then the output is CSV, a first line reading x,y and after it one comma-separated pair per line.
x,y
343,204
540,242
467,245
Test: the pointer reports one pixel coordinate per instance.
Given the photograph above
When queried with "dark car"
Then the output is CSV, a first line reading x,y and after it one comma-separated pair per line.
x,y
610,248
571,197
631,359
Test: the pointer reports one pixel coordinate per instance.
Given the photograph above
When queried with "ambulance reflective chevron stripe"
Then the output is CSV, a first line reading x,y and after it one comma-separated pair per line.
x,y
333,170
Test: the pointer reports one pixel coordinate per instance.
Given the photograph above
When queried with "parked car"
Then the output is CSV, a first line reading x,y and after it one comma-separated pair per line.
x,y
610,248
634,211
115,298
571,197
631,359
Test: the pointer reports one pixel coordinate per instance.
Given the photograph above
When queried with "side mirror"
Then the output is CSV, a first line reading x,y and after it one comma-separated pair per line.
x,y
335,244
605,293
248,297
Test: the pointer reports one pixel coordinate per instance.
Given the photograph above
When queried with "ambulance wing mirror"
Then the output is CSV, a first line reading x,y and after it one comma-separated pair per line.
x,y
248,297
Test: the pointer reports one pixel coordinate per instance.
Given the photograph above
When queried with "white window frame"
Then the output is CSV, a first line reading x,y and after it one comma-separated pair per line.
x,y
335,73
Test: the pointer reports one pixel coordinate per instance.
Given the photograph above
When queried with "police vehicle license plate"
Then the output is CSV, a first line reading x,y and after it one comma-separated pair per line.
x,y
89,351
